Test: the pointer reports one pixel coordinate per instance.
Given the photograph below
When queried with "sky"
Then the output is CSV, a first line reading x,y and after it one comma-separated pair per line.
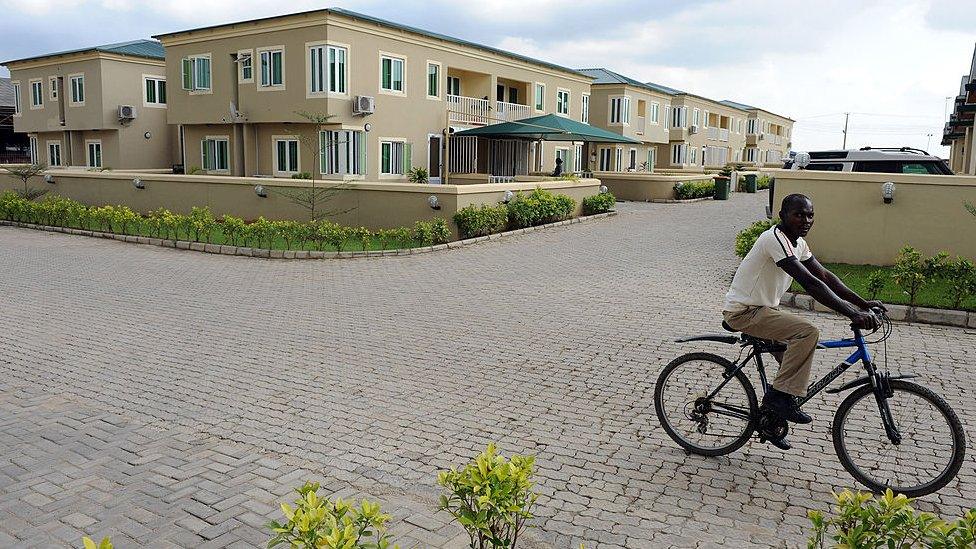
x,y
890,64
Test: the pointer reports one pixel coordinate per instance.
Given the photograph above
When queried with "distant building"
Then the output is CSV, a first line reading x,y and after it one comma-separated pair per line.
x,y
13,146
958,132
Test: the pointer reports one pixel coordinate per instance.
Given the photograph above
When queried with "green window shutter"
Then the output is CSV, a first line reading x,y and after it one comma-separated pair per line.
x,y
162,91
385,157
361,137
187,74
387,74
407,161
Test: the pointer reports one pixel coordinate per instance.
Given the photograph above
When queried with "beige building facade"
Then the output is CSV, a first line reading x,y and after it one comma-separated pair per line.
x,y
959,130
703,133
345,96
769,136
102,107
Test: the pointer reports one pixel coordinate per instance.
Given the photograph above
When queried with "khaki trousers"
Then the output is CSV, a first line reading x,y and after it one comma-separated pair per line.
x,y
799,335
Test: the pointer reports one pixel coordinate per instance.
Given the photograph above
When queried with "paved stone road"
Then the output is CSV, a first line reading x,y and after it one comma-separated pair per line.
x,y
171,399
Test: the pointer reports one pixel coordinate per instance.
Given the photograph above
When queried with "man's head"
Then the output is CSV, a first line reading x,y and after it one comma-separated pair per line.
x,y
559,160
796,213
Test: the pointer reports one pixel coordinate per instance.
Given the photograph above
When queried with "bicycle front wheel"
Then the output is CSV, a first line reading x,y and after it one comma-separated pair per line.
x,y
697,417
929,454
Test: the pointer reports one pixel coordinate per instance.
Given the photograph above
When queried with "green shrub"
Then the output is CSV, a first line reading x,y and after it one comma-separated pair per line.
x,y
539,207
876,283
418,175
473,221
301,175
599,203
694,189
763,182
441,232
961,276
887,521
317,523
233,228
746,239
89,543
912,272
491,498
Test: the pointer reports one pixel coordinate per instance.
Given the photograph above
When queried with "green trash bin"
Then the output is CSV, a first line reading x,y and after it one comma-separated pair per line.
x,y
722,187
750,182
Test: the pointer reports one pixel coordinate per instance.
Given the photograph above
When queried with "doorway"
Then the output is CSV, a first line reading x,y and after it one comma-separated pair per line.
x,y
434,153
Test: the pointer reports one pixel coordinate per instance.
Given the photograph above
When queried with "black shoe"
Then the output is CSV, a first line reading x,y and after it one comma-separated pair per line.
x,y
781,443
784,405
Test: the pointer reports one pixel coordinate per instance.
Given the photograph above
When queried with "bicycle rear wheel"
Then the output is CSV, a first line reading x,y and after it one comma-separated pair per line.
x,y
932,446
707,426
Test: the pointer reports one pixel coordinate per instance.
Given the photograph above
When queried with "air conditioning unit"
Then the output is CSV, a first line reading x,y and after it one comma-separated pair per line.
x,y
364,104
693,129
127,112
761,137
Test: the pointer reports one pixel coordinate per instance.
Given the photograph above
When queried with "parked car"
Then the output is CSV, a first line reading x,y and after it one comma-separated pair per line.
x,y
873,159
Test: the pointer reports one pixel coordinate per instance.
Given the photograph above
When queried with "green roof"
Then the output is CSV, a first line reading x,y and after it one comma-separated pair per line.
x,y
548,127
607,76
741,106
389,24
150,49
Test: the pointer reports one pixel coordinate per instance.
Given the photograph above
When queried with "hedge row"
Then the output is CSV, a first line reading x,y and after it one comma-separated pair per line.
x,y
536,208
694,189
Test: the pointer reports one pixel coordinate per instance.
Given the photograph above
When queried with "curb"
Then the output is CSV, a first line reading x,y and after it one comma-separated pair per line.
x,y
904,313
202,247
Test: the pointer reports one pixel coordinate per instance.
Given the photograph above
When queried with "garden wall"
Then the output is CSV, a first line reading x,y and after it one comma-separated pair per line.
x,y
645,186
355,203
854,225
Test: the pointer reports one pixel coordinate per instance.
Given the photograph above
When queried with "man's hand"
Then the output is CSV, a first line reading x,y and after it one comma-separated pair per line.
x,y
865,320
875,304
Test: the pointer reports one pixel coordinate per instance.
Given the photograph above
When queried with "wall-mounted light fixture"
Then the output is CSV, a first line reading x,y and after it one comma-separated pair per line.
x,y
138,183
48,178
888,192
367,126
603,189
434,202
147,135
509,195
260,191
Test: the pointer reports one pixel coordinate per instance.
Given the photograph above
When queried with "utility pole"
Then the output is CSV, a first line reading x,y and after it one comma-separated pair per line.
x,y
847,116
929,144
945,109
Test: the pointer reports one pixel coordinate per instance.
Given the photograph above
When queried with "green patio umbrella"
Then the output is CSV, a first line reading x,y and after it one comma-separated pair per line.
x,y
549,127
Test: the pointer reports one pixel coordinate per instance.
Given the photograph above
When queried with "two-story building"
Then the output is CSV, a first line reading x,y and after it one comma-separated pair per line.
x,y
702,133
346,96
97,107
960,128
768,135
633,109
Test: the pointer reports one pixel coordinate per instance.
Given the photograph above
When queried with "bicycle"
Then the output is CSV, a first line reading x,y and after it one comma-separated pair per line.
x,y
912,417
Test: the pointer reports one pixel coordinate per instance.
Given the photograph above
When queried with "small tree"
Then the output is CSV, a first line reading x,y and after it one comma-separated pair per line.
x,y
876,282
25,173
418,175
961,277
912,272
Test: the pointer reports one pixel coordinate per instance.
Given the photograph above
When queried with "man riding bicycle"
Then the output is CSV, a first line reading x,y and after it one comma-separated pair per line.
x,y
779,256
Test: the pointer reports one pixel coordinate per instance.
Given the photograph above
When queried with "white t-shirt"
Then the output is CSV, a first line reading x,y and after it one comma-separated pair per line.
x,y
759,281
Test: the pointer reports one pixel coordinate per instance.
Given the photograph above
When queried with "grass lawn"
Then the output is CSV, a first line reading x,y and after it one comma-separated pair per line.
x,y
934,294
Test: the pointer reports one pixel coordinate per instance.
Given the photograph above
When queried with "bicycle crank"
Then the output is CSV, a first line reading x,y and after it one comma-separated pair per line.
x,y
771,426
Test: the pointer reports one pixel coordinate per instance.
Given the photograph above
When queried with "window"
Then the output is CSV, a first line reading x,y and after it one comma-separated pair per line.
x,y
651,159
272,68
393,156
679,153
246,63
286,156
679,117
620,110
739,126
94,154
562,102
53,84
433,79
16,98
37,94
328,69
633,159
214,154
317,74
77,89
619,160
540,97
814,166
606,156
696,118
453,85
705,119
563,154
655,113
693,155
53,153
32,140
391,74
343,152
155,90
578,158
196,73
585,109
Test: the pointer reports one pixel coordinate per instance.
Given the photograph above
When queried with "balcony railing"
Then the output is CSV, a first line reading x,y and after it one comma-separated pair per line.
x,y
641,125
723,134
469,110
511,111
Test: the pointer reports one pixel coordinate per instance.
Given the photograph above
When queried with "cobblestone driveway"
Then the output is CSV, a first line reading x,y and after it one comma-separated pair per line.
x,y
172,399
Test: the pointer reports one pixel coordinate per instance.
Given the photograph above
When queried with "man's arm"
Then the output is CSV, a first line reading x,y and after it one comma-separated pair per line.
x,y
819,290
837,285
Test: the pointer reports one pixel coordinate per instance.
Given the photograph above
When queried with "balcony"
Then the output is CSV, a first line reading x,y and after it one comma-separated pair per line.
x,y
480,112
711,133
641,125
510,112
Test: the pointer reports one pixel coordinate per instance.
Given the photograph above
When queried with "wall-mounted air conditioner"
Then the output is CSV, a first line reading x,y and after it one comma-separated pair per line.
x,y
693,129
127,112
364,104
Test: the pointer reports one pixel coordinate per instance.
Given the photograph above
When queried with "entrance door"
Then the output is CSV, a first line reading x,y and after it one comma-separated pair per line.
x,y
434,158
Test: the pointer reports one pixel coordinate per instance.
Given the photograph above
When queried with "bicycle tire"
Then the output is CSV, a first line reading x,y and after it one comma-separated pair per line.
x,y
936,484
739,376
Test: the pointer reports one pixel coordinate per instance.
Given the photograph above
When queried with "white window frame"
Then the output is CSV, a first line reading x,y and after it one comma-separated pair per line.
x,y
269,51
214,140
679,154
52,83
564,152
243,55
275,139
17,99
440,72
605,160
52,146
195,88
562,102
705,119
585,109
536,97
577,158
36,93
448,89
88,153
619,110
696,117
73,88
356,156
32,147
396,161
655,112
146,78
393,57
618,157
328,83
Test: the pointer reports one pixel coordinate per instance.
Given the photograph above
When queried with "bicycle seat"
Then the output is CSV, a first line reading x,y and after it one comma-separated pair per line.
x,y
727,327
768,345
